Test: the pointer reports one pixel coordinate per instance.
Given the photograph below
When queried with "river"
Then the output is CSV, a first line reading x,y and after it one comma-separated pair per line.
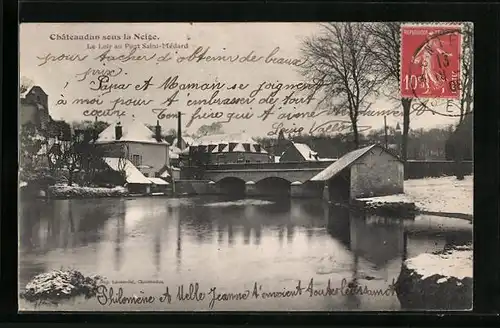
x,y
237,246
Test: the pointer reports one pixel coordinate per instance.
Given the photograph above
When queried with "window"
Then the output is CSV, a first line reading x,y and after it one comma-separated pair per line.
x,y
137,160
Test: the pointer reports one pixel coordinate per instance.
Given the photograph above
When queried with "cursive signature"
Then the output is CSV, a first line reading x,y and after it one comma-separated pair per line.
x,y
340,126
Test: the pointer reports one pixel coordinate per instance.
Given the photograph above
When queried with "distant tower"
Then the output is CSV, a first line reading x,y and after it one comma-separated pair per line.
x,y
282,143
398,138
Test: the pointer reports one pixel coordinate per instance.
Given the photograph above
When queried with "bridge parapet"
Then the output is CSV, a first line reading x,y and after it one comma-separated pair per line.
x,y
269,166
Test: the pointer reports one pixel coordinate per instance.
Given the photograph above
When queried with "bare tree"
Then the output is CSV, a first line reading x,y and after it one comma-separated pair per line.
x,y
72,157
341,57
122,161
461,139
466,83
387,54
210,129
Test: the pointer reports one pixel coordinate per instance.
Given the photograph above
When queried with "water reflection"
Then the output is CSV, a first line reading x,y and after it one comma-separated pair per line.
x,y
226,243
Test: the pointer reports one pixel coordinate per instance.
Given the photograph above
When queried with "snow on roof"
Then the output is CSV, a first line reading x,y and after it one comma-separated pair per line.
x,y
342,163
133,131
277,159
188,140
216,139
175,150
32,89
305,151
158,181
239,147
165,174
133,175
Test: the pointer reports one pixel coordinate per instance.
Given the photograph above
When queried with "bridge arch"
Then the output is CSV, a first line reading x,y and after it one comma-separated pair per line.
x,y
273,186
231,186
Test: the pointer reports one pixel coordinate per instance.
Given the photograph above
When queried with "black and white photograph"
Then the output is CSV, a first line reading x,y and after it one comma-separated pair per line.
x,y
245,166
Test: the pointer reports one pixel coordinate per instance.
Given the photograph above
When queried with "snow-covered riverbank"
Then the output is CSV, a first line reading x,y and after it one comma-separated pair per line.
x,y
63,191
443,195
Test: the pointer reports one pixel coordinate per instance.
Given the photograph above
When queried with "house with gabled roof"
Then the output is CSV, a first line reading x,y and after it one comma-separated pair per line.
x,y
34,108
298,152
366,172
134,141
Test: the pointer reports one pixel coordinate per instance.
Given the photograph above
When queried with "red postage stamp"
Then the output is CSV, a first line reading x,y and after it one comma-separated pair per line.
x,y
430,61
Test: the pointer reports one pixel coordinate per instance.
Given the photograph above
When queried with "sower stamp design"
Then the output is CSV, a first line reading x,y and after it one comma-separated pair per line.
x,y
430,61
162,147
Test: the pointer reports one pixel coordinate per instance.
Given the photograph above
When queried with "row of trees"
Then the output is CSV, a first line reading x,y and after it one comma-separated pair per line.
x,y
361,61
422,144
61,149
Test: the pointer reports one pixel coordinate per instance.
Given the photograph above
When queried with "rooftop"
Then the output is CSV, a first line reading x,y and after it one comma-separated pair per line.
x,y
132,131
345,161
133,175
240,139
305,151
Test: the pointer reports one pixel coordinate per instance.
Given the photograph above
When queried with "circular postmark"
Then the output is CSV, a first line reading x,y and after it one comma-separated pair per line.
x,y
431,68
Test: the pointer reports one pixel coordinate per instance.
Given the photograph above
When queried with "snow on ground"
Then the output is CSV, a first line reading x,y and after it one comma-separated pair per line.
x,y
456,264
445,194
77,191
242,202
398,198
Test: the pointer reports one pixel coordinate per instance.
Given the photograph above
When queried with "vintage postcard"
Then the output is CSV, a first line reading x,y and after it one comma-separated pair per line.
x,y
246,166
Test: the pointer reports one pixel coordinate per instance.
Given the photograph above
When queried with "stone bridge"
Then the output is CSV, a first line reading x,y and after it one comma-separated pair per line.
x,y
291,172
290,175
264,178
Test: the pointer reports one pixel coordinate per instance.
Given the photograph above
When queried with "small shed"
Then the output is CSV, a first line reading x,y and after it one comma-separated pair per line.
x,y
366,172
158,185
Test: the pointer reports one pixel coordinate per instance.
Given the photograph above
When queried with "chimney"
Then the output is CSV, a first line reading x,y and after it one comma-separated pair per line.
x,y
179,132
118,131
158,131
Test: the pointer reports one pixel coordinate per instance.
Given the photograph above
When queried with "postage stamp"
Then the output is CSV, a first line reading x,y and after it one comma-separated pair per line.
x,y
228,167
430,61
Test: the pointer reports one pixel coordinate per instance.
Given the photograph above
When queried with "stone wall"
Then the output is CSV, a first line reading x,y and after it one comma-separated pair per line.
x,y
377,173
192,187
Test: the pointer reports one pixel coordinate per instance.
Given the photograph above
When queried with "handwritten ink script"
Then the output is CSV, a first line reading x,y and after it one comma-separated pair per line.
x,y
212,296
114,75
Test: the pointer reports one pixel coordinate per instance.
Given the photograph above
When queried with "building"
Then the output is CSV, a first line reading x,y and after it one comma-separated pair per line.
x,y
132,140
228,148
367,172
49,134
135,180
174,155
34,108
298,152
186,141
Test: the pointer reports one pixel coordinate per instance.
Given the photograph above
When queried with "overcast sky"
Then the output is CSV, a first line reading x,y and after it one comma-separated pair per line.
x,y
59,78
